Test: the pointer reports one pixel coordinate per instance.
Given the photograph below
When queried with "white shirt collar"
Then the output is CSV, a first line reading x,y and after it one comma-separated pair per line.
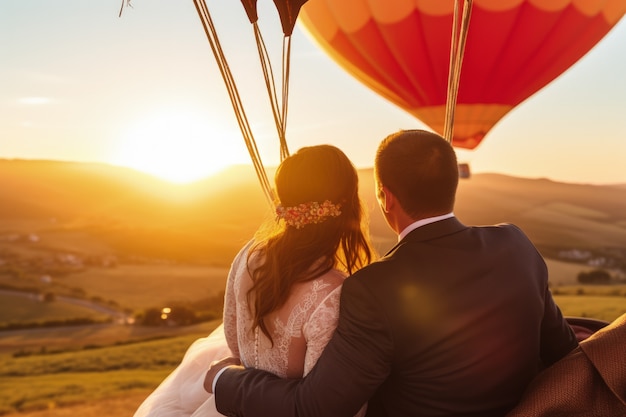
x,y
421,223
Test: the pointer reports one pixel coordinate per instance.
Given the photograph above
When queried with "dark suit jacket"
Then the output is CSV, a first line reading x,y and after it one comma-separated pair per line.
x,y
453,321
589,382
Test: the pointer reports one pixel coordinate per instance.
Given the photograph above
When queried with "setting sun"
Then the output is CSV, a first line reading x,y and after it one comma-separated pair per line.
x,y
180,148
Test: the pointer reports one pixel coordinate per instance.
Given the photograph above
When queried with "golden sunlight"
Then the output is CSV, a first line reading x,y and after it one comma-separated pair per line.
x,y
180,148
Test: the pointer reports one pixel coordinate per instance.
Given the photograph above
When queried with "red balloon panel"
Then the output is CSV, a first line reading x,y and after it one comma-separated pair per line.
x,y
401,50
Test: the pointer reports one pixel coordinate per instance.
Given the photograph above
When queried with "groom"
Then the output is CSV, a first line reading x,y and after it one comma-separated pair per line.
x,y
454,321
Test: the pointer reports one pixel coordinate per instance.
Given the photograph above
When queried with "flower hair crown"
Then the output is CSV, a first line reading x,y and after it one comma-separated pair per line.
x,y
307,213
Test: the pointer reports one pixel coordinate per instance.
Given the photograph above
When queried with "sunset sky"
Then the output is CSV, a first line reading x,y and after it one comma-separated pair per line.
x,y
79,83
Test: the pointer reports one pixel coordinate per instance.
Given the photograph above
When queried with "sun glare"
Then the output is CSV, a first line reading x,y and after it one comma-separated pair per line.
x,y
180,148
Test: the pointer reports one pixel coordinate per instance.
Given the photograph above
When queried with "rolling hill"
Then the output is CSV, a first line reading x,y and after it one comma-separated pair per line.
x,y
101,208
175,243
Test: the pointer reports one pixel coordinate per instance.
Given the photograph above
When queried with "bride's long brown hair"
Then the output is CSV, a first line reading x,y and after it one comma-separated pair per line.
x,y
285,255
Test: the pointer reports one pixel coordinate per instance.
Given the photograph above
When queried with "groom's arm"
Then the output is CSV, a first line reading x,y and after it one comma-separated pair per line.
x,y
353,365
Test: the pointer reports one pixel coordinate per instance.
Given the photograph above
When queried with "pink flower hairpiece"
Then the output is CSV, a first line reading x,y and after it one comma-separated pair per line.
x,y
307,213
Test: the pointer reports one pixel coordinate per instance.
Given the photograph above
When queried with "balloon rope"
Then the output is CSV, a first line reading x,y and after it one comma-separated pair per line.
x,y
454,42
284,150
457,49
279,111
122,7
242,120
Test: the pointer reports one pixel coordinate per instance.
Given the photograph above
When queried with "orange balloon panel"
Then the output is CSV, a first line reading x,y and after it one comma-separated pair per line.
x,y
401,50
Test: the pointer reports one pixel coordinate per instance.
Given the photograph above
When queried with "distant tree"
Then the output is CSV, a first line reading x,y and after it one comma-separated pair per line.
x,y
78,292
150,317
182,315
596,276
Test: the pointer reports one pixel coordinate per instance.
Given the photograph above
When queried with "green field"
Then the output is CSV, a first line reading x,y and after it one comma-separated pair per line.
x,y
49,381
23,309
603,302
127,287
90,376
597,307
147,285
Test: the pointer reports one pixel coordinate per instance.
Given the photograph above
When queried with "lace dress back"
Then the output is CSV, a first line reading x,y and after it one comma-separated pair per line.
x,y
300,329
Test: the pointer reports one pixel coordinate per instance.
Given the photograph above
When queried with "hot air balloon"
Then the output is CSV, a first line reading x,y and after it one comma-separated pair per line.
x,y
401,50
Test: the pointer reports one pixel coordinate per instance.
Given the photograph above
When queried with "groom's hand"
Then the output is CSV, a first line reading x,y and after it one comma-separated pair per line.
x,y
215,368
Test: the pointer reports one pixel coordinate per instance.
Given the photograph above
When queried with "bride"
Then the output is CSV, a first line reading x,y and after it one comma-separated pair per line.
x,y
282,294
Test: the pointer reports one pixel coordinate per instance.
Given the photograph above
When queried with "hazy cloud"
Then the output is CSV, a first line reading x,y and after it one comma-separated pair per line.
x,y
35,100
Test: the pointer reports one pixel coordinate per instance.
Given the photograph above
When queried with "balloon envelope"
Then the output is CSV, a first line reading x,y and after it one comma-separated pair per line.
x,y
401,50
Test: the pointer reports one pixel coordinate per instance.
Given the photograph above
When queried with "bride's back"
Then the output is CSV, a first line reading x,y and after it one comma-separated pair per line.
x,y
299,329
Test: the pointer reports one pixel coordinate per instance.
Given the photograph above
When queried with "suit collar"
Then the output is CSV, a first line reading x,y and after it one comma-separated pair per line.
x,y
423,222
431,231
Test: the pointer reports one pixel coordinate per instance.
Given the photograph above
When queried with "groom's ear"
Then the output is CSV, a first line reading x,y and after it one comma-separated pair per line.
x,y
386,199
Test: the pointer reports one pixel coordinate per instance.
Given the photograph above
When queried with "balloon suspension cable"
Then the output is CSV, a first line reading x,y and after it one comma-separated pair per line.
x,y
122,7
457,49
279,109
242,120
284,151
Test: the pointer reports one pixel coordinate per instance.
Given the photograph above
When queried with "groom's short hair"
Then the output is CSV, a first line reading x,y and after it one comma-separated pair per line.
x,y
420,168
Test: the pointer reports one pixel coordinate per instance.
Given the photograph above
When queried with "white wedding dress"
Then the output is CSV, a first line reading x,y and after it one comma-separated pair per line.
x,y
300,330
